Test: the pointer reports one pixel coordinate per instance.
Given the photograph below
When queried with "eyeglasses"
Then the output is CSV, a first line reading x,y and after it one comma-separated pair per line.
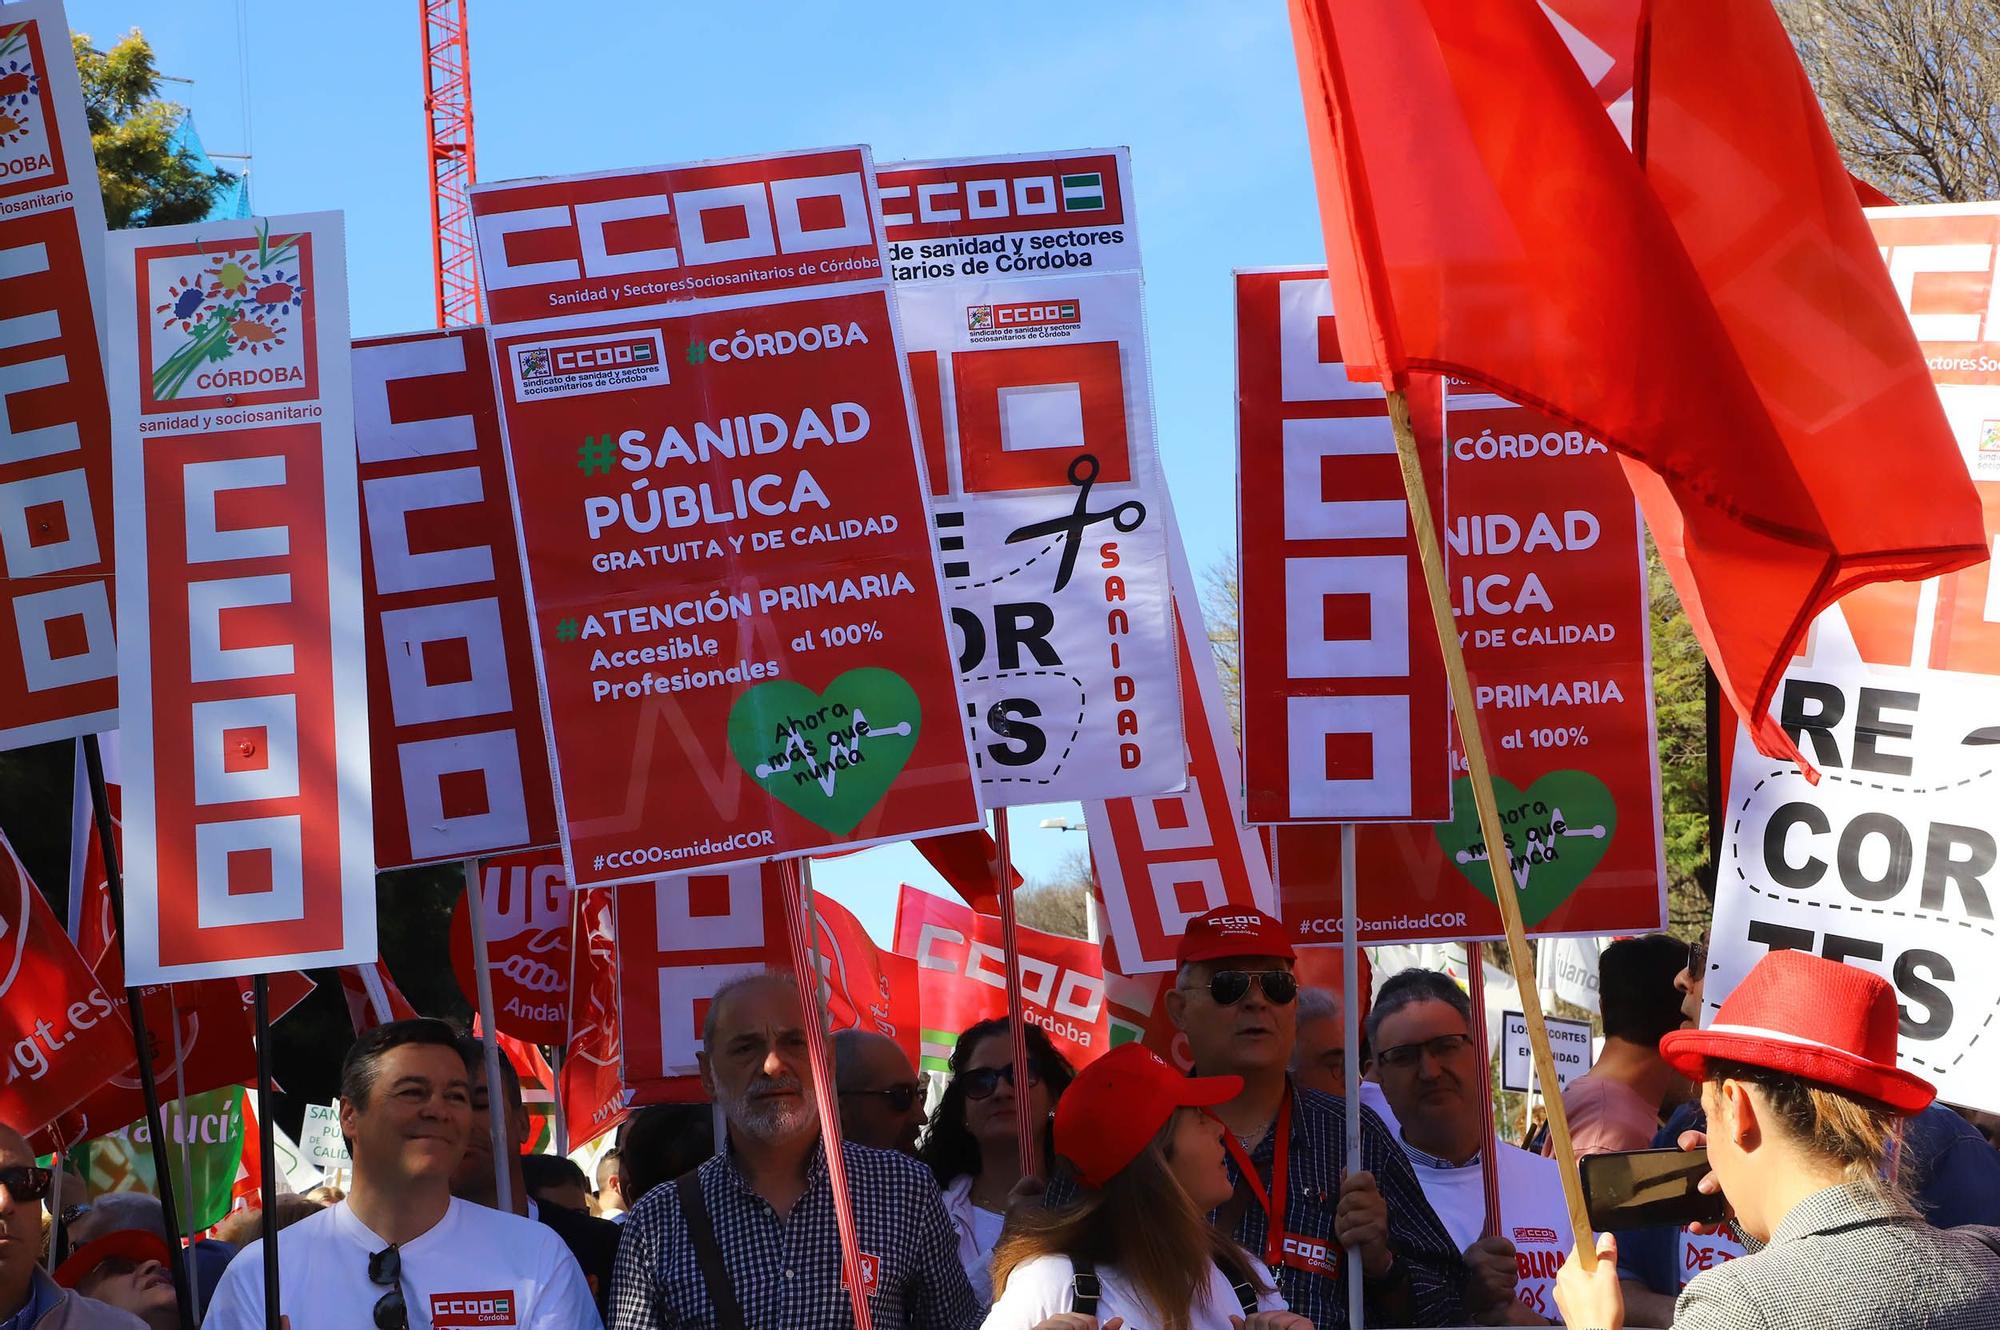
x,y
72,1213
1229,987
899,1097
1404,1056
1697,958
25,1182
981,1082
386,1267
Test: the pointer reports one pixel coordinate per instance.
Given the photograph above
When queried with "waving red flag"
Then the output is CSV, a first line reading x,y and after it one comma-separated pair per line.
x,y
1719,316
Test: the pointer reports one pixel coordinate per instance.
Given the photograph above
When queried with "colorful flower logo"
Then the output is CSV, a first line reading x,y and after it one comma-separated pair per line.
x,y
230,302
20,86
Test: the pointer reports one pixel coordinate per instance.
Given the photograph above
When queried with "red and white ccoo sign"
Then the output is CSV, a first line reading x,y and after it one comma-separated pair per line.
x,y
460,760
245,735
1345,710
58,659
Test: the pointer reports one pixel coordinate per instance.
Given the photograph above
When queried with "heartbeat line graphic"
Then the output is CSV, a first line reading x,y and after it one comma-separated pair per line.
x,y
1536,840
845,751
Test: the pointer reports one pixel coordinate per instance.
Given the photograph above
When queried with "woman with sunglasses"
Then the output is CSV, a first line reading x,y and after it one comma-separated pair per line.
x,y
972,1145
1135,1250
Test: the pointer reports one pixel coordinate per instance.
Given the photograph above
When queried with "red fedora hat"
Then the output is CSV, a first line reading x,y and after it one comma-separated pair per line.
x,y
1812,1018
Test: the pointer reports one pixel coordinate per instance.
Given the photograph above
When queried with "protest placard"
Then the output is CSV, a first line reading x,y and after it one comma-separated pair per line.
x,y
58,658
1164,859
1018,282
245,725
1345,712
1569,1042
962,978
1545,560
737,615
1888,862
321,1141
460,763
528,921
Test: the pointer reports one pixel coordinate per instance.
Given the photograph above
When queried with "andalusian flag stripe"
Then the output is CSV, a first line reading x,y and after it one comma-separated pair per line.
x,y
1083,193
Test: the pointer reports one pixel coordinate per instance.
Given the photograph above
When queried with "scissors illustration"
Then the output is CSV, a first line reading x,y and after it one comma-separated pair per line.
x,y
1127,516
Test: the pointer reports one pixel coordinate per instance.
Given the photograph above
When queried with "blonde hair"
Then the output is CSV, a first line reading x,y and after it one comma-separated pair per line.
x,y
1143,1222
1863,1136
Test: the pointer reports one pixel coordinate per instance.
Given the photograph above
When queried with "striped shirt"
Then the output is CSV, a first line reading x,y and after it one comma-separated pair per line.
x,y
787,1272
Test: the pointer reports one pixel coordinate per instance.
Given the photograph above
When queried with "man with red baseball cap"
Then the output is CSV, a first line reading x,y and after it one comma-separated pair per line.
x,y
1235,999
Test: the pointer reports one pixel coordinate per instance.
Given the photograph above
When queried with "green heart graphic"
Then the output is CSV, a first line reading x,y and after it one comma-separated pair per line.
x,y
1557,832
830,756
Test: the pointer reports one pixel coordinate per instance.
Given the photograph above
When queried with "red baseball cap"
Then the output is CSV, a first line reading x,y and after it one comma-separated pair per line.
x,y
1813,1018
135,1244
1117,1105
1233,930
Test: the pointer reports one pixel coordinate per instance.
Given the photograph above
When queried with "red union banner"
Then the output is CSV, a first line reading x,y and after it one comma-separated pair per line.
x,y
1162,861
527,945
460,762
58,659
63,1034
1345,710
962,976
627,239
736,609
245,728
865,988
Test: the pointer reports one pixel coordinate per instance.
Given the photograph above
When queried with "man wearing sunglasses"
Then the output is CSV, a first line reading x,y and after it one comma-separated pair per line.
x,y
881,1100
29,1299
1235,998
400,1251
1428,1059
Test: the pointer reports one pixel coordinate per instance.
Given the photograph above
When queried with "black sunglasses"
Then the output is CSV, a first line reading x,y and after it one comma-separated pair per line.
x,y
1404,1056
900,1097
25,1182
1229,987
1697,958
981,1082
386,1267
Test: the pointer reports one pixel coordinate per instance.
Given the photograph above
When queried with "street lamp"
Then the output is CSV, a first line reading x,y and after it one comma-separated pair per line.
x,y
1060,824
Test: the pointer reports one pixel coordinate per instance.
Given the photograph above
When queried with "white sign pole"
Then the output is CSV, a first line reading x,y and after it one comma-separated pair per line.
x,y
489,1041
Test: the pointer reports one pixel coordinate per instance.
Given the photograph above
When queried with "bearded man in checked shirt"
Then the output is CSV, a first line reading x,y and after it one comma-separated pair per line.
x,y
769,1204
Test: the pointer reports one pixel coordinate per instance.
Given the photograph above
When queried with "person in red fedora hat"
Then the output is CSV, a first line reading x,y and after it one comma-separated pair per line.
x,y
1135,1248
1805,1105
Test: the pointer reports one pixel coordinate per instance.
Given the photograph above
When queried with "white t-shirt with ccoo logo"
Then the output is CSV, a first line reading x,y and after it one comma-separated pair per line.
x,y
1533,1215
475,1268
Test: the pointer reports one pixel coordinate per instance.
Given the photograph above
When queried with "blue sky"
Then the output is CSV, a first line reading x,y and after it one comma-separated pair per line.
x,y
1205,95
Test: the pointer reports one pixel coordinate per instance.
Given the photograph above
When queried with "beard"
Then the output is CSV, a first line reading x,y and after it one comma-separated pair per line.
x,y
768,1120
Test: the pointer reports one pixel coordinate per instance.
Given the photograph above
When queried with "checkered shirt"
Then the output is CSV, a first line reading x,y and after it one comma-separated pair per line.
x,y
786,1272
1312,1188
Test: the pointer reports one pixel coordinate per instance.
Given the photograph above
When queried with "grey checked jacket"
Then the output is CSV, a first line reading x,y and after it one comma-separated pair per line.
x,y
1849,1258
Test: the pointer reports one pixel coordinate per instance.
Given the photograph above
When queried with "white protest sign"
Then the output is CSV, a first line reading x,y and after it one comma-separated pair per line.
x,y
1569,966
320,1138
1569,1042
1018,283
1888,863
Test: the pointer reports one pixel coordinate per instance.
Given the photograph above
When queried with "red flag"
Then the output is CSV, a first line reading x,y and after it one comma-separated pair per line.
x,y
866,988
372,997
1719,317
594,1100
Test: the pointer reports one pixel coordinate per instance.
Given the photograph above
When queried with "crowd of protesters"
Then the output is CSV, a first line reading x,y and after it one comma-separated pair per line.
x,y
1213,1200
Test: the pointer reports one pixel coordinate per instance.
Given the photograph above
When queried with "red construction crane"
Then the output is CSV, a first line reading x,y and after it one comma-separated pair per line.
x,y
448,117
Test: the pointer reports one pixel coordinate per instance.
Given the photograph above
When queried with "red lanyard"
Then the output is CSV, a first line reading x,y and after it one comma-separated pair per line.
x,y
1274,1200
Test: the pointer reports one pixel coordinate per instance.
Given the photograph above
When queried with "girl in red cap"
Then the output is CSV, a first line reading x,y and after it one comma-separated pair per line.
x,y
1135,1251
1805,1105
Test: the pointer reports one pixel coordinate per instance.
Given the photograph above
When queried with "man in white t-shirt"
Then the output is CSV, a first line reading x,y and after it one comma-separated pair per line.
x,y
1421,1031
400,1253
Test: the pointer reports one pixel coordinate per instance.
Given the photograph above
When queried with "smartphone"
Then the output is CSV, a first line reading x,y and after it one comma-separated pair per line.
x,y
1648,1189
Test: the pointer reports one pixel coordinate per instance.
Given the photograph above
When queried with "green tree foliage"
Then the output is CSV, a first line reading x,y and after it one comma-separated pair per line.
x,y
147,180
1680,700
